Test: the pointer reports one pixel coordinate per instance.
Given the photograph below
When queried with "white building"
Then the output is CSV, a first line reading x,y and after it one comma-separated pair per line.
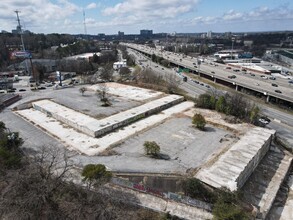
x,y
118,65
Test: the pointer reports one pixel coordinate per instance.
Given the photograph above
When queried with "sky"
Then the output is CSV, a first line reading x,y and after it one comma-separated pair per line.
x,y
131,16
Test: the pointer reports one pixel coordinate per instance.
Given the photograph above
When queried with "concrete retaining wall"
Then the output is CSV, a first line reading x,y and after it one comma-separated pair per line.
x,y
253,163
97,128
156,203
233,168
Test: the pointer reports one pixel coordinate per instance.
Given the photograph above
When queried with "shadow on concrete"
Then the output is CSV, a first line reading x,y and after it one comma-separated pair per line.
x,y
209,129
256,187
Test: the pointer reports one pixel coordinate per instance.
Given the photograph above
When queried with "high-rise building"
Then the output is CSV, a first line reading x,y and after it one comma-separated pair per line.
x,y
209,34
146,32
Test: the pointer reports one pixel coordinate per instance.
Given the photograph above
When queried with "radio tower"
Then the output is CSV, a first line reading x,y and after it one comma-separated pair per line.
x,y
21,37
85,32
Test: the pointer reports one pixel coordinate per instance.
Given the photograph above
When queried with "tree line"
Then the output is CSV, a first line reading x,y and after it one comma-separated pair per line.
x,y
234,105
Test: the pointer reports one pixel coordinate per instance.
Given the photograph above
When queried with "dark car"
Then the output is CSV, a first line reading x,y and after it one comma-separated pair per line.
x,y
213,72
232,77
278,91
184,79
274,84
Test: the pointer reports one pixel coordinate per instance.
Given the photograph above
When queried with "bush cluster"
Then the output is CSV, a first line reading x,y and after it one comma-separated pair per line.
x,y
226,204
234,105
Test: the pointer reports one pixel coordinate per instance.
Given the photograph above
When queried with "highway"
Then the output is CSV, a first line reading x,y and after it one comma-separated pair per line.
x,y
282,122
191,88
219,72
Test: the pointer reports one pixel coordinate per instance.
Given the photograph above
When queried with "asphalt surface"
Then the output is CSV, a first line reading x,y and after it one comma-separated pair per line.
x,y
253,82
281,122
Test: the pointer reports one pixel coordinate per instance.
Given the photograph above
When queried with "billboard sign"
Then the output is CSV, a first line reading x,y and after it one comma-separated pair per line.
x,y
21,54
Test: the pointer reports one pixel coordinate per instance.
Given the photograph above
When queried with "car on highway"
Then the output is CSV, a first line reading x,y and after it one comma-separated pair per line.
x,y
264,120
278,91
274,84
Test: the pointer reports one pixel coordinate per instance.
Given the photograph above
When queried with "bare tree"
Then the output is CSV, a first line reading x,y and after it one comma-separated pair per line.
x,y
107,73
33,187
172,83
102,93
82,90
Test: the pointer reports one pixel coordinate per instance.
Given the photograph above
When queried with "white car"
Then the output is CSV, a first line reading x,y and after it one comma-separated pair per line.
x,y
264,120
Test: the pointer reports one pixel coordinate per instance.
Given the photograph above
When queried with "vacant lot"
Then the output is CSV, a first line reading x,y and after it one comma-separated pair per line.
x,y
186,146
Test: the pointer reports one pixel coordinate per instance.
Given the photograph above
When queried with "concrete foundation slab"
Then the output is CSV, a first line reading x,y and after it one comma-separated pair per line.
x,y
90,145
126,91
94,127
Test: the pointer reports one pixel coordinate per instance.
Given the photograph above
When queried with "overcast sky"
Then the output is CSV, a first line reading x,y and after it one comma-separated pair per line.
x,y
130,16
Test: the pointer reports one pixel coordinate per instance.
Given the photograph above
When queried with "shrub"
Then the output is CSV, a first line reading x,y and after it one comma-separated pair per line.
x,y
151,148
199,121
195,189
95,174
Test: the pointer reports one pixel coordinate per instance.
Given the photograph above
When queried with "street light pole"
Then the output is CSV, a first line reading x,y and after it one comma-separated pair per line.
x,y
232,48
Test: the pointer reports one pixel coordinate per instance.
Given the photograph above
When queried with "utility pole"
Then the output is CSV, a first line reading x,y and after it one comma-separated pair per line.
x,y
21,37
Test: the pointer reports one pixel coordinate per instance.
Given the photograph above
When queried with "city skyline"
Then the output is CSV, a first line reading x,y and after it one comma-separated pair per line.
x,y
130,16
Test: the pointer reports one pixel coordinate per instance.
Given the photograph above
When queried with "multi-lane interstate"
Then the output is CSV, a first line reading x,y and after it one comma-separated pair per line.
x,y
278,88
281,121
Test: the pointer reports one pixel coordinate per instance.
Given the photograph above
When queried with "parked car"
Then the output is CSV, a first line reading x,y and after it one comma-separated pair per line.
x,y
278,91
272,78
274,84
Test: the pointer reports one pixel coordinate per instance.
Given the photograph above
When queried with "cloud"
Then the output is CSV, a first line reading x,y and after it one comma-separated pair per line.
x,y
91,6
63,16
41,13
151,8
